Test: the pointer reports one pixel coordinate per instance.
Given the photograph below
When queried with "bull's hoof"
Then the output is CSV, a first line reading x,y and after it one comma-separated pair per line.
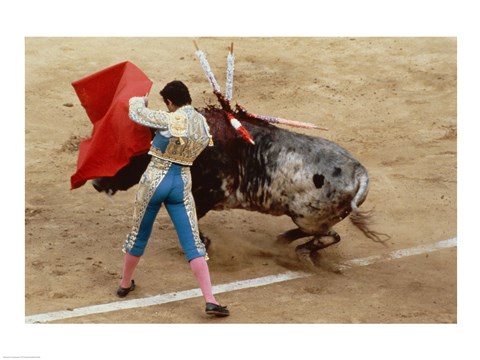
x,y
323,263
305,257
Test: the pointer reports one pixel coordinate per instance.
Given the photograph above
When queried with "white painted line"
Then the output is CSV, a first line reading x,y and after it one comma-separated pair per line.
x,y
397,254
238,285
161,299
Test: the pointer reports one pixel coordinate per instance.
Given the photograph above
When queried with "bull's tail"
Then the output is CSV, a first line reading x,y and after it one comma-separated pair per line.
x,y
360,218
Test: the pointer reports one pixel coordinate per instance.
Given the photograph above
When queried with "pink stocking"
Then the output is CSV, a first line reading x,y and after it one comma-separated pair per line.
x,y
129,264
200,270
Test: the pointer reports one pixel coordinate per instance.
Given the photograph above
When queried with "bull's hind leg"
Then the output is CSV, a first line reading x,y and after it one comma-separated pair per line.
x,y
291,235
306,252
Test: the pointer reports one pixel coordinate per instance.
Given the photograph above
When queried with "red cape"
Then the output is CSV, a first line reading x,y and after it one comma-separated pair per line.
x,y
115,138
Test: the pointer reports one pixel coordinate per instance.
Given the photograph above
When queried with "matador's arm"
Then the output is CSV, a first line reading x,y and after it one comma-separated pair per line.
x,y
142,115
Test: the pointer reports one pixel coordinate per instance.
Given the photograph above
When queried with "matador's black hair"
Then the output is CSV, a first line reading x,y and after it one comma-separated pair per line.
x,y
177,92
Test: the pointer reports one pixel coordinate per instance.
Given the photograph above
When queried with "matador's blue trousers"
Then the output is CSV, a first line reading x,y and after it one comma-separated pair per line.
x,y
166,183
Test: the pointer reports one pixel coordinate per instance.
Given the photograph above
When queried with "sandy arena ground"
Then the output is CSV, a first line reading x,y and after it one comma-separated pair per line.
x,y
391,102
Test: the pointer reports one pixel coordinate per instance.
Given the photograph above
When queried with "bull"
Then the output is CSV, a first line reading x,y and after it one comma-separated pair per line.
x,y
314,181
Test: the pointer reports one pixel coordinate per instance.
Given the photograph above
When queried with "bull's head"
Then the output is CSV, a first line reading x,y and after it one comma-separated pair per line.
x,y
124,179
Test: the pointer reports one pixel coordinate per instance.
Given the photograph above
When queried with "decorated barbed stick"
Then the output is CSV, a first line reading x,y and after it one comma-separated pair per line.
x,y
206,68
225,101
237,125
277,120
230,71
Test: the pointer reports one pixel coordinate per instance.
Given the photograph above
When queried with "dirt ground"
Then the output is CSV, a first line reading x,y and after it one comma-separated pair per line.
x,y
392,102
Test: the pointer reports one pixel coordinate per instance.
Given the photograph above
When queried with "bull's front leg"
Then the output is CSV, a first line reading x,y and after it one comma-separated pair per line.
x,y
308,251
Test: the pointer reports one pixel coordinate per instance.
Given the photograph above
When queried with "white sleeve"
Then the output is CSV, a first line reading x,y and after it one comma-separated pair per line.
x,y
142,115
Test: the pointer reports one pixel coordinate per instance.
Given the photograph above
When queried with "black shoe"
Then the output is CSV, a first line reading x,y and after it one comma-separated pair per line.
x,y
217,310
122,292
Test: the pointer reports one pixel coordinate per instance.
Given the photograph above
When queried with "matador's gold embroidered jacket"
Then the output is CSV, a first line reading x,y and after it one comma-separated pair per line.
x,y
187,130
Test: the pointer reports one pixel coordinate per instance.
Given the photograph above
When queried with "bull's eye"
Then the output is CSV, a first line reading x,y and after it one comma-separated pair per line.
x,y
318,180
